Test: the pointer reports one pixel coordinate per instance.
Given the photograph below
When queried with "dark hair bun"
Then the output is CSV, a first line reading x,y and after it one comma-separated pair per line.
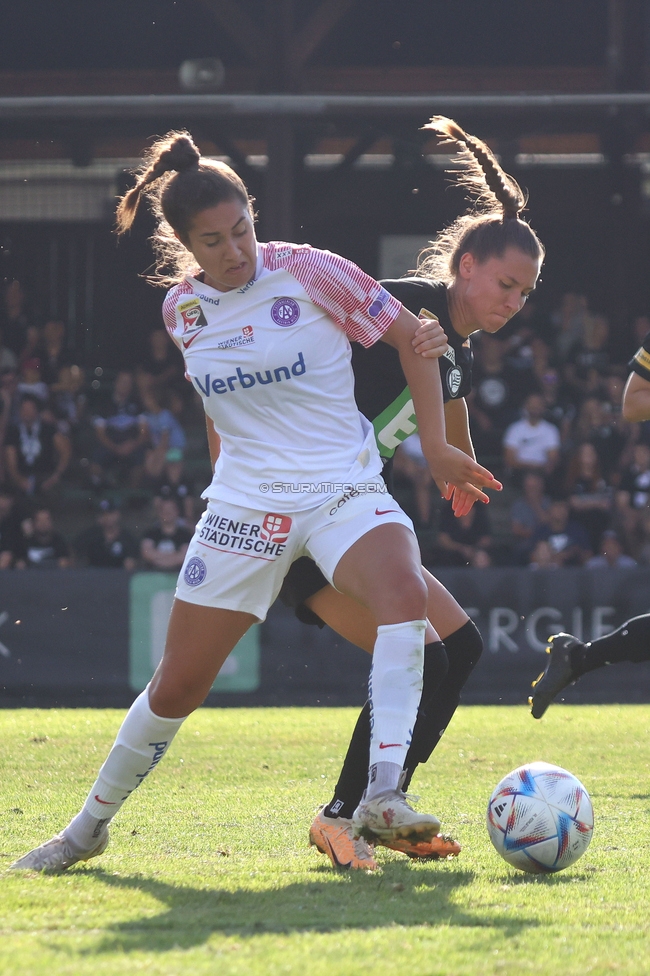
x,y
181,155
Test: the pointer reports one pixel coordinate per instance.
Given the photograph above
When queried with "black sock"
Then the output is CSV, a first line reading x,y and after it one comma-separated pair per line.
x,y
464,648
354,774
631,642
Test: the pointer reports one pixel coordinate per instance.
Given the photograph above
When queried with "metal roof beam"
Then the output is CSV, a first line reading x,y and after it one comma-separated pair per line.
x,y
100,107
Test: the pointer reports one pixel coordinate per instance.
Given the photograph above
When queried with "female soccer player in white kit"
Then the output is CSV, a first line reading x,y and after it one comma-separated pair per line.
x,y
264,330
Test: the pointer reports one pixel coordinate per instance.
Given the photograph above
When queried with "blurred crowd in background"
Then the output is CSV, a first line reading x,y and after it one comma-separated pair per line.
x,y
103,443
95,468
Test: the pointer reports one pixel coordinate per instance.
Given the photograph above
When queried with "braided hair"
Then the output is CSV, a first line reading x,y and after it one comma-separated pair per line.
x,y
177,183
492,223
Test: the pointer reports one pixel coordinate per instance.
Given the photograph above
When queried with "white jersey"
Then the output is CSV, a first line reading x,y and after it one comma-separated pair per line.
x,y
271,362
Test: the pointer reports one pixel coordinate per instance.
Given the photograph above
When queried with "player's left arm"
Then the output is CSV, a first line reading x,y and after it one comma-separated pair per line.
x,y
448,465
458,434
636,399
457,423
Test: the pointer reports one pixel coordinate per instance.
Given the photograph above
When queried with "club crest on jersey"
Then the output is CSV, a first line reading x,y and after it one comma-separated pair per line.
x,y
275,528
285,312
454,379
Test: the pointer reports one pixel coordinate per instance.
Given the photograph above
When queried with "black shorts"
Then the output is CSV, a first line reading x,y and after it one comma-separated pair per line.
x,y
302,581
305,578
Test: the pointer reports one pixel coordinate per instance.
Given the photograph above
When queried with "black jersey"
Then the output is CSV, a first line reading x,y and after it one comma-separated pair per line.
x,y
640,362
379,385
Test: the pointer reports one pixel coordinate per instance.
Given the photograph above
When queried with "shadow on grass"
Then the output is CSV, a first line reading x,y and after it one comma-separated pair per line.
x,y
398,896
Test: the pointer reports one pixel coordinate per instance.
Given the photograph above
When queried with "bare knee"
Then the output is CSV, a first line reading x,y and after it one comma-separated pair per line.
x,y
175,699
405,598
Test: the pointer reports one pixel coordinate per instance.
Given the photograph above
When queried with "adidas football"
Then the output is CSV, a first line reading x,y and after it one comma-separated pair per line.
x,y
540,818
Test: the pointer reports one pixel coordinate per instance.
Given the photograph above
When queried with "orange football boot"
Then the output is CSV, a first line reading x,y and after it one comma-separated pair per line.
x,y
333,836
435,849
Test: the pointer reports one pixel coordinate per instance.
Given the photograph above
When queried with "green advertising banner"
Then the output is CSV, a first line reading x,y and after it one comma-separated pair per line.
x,y
151,596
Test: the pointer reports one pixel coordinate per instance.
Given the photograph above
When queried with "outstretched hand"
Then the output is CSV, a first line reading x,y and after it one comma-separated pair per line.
x,y
461,501
454,471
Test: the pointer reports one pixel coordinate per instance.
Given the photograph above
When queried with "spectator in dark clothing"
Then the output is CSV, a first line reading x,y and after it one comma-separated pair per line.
x,y
167,437
68,400
30,381
598,423
559,408
611,555
9,399
36,453
591,500
466,540
107,545
494,399
8,359
40,546
163,546
528,514
569,321
181,489
588,360
9,528
51,351
636,478
162,367
14,320
567,540
121,434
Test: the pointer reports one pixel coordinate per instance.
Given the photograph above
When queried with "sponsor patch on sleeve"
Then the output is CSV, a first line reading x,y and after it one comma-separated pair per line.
x,y
376,306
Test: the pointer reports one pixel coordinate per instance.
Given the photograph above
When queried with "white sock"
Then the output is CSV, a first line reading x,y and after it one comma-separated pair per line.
x,y
141,743
395,690
383,776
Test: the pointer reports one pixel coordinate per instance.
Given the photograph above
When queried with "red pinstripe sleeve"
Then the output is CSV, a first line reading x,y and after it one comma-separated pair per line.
x,y
356,302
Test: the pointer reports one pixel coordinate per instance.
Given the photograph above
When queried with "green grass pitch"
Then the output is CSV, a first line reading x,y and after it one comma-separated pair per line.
x,y
209,871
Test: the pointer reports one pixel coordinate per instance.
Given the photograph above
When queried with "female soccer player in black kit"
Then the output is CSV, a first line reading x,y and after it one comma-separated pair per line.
x,y
476,275
570,658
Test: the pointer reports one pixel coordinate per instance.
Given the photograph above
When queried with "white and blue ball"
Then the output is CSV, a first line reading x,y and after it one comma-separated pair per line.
x,y
540,818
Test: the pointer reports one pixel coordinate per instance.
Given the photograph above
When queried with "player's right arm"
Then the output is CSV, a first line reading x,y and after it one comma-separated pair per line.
x,y
636,399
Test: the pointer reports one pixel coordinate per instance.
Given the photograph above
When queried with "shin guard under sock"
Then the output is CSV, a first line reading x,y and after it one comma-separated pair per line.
x,y
352,780
395,688
141,742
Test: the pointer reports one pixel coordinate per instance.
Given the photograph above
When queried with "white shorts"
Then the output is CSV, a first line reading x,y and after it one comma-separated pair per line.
x,y
238,557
